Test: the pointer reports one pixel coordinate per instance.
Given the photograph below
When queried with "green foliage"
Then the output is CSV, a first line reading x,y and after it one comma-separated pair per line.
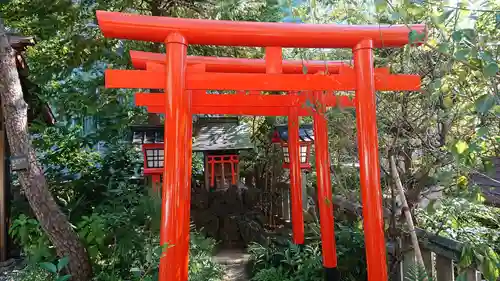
x,y
122,237
481,256
55,269
28,233
417,273
476,225
444,132
282,259
271,274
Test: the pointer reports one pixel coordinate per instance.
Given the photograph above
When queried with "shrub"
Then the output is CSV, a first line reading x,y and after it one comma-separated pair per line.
x,y
285,261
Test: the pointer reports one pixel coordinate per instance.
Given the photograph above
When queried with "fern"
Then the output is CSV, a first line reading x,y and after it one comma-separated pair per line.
x,y
417,273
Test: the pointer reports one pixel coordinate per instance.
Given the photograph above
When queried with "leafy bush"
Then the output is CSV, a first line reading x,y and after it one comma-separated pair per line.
x,y
475,225
118,220
286,261
28,233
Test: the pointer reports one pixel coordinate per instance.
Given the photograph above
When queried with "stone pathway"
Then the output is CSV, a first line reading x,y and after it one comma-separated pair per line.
x,y
9,269
234,262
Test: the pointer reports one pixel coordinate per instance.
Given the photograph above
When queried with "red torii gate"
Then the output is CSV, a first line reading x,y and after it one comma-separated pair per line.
x,y
175,75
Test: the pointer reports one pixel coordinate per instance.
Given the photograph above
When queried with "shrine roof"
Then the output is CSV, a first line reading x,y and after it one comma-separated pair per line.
x,y
490,184
19,42
306,133
209,134
221,134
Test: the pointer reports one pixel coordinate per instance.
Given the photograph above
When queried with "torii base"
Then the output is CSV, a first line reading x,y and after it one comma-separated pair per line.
x,y
332,274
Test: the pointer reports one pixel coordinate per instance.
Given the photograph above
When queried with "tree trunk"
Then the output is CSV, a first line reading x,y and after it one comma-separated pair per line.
x,y
33,183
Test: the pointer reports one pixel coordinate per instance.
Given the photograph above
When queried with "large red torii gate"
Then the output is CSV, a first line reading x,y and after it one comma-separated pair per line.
x,y
185,79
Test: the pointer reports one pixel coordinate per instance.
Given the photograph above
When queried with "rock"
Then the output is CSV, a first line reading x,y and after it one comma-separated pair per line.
x,y
251,197
207,221
200,199
229,231
251,230
230,216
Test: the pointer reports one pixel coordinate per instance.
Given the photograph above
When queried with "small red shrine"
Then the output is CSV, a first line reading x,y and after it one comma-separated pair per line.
x,y
220,139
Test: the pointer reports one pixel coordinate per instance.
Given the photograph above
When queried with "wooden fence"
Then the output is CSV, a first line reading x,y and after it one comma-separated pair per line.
x,y
439,254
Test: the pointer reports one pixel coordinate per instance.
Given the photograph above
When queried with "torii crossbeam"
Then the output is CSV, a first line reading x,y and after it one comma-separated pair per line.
x,y
185,81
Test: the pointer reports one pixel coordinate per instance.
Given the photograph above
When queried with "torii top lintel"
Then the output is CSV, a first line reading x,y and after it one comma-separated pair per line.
x,y
252,34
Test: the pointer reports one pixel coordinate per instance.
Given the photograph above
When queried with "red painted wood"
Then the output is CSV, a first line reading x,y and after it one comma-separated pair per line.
x,y
142,79
371,191
253,34
140,60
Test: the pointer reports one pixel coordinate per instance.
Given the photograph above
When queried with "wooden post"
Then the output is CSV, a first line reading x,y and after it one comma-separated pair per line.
x,y
369,166
286,204
472,275
325,204
3,197
305,196
444,269
296,188
207,171
174,231
223,174
409,261
428,257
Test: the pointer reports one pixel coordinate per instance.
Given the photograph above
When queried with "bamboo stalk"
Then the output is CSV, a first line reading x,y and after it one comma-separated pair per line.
x,y
406,211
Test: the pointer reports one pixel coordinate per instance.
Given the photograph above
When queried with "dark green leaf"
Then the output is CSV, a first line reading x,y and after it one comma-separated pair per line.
x,y
485,103
457,35
64,278
490,69
443,47
470,34
435,85
482,131
489,270
462,54
486,56
49,267
466,257
62,263
445,15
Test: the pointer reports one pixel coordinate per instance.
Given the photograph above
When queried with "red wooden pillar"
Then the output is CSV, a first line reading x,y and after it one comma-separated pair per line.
x,y
156,182
324,184
185,198
274,64
177,161
371,193
295,177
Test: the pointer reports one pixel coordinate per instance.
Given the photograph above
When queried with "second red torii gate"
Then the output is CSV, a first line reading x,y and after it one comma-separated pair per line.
x,y
178,80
